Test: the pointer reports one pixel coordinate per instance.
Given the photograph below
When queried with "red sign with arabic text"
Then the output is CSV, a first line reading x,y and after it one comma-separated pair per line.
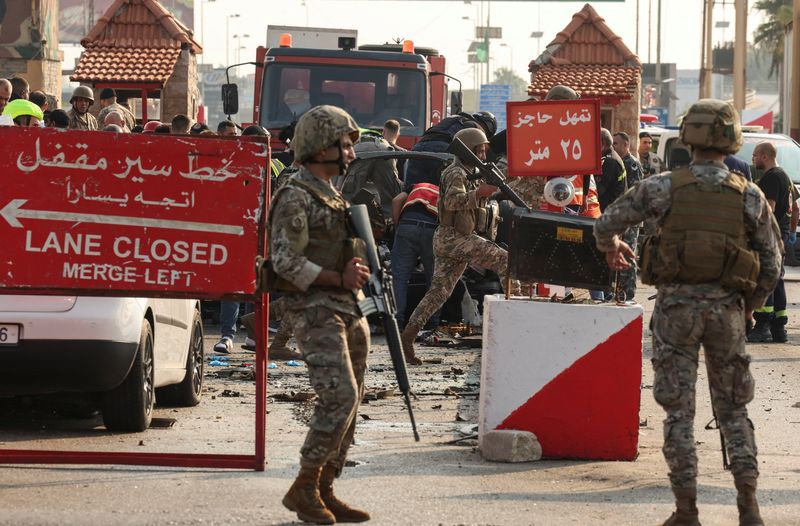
x,y
553,137
130,214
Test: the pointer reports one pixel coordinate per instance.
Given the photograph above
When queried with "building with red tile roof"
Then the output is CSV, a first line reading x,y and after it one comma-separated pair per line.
x,y
142,51
593,60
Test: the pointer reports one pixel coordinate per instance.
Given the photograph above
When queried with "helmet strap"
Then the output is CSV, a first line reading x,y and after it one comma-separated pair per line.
x,y
338,161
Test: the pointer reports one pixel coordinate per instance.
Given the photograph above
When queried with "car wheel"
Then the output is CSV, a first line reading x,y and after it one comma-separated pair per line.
x,y
187,393
129,406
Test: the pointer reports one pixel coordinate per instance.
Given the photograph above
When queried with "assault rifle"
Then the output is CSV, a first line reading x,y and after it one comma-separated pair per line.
x,y
381,301
486,171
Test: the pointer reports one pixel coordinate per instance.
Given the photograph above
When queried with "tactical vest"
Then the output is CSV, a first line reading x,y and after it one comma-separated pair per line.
x,y
329,246
464,221
703,239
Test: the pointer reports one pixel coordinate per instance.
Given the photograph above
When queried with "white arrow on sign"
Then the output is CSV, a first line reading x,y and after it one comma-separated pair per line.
x,y
13,210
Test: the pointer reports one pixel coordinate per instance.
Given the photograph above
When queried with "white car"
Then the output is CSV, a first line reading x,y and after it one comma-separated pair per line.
x,y
123,352
674,153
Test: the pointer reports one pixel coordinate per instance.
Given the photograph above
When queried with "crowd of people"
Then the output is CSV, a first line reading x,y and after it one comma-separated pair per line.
x,y
21,107
713,250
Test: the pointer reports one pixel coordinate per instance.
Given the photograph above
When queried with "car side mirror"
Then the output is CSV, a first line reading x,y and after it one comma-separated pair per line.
x,y
230,99
455,102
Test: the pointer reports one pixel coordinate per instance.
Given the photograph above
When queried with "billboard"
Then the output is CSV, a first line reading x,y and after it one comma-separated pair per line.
x,y
77,19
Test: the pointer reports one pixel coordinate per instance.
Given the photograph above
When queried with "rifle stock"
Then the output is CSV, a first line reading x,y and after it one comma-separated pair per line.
x,y
486,171
381,301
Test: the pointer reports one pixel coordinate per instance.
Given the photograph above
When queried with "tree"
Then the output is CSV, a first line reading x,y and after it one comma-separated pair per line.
x,y
519,87
770,35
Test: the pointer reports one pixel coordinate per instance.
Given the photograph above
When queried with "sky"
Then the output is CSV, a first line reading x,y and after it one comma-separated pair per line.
x,y
449,26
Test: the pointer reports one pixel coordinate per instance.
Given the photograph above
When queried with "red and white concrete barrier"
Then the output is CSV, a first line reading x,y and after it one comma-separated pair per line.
x,y
571,374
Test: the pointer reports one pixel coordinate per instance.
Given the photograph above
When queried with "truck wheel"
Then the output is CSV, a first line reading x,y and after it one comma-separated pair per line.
x,y
188,392
129,406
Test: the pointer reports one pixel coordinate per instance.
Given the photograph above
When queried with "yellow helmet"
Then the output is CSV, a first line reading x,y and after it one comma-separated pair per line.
x,y
21,107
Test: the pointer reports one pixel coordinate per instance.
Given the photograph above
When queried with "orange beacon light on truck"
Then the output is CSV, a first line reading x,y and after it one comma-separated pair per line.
x,y
285,40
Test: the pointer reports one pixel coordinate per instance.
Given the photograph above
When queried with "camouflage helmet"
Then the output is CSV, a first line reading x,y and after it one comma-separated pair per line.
x,y
712,124
561,92
319,128
83,92
472,137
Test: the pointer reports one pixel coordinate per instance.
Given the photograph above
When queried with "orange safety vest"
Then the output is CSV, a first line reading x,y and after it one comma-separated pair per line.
x,y
426,194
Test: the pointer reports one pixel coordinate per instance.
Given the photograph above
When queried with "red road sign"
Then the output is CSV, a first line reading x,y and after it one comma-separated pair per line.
x,y
553,137
130,214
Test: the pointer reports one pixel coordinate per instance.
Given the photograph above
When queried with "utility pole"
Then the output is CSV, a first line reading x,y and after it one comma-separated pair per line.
x,y
658,55
637,28
794,107
488,40
649,30
706,56
740,56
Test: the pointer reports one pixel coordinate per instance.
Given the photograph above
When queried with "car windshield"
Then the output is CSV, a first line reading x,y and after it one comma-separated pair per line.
x,y
677,154
371,95
788,153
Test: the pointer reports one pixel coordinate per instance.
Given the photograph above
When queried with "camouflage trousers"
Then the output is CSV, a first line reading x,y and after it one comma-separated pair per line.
x,y
277,312
334,346
627,278
452,253
679,326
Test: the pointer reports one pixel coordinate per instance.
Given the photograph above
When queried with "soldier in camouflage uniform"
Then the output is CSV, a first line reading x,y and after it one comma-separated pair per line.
x,y
530,189
79,116
455,242
651,163
713,228
312,254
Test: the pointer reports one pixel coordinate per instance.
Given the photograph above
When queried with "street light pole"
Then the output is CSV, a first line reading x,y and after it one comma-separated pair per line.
x,y
239,46
203,23
740,56
510,55
228,37
488,40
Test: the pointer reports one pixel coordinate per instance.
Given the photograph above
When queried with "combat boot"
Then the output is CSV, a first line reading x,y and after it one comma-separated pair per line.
x,y
340,510
407,339
685,513
279,348
777,329
749,514
760,333
303,498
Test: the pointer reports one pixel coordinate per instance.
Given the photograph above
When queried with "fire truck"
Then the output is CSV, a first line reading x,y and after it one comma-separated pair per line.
x,y
299,69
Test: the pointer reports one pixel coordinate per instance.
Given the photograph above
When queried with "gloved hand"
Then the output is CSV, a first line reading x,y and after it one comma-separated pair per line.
x,y
793,238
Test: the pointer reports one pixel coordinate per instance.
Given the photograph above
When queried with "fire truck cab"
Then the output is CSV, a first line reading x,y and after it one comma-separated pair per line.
x,y
373,83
